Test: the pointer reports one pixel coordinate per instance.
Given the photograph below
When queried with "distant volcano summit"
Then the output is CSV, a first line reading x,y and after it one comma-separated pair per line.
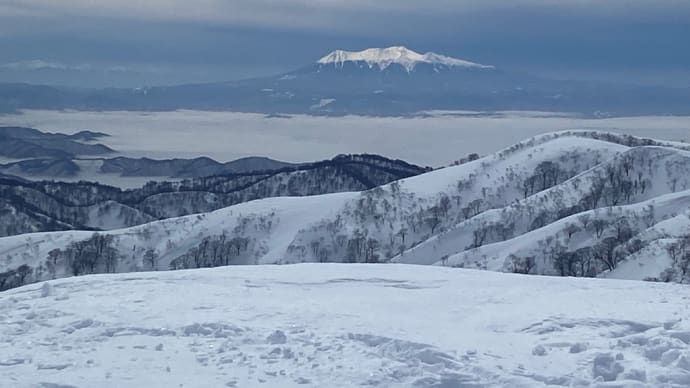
x,y
382,58
389,81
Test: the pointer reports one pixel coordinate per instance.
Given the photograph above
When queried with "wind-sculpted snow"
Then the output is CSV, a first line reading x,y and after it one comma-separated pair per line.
x,y
536,187
343,325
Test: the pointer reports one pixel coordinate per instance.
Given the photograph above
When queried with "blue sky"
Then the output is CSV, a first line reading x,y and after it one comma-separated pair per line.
x,y
125,43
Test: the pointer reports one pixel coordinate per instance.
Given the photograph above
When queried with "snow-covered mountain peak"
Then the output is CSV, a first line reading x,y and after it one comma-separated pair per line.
x,y
384,57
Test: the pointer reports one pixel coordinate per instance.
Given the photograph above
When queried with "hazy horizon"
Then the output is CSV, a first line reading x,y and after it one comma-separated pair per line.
x,y
226,136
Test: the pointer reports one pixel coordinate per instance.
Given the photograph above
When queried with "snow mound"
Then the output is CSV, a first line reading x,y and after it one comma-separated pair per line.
x,y
342,325
384,57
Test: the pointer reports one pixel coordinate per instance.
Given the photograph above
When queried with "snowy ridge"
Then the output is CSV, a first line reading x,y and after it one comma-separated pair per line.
x,y
384,57
569,233
48,206
427,219
657,170
326,325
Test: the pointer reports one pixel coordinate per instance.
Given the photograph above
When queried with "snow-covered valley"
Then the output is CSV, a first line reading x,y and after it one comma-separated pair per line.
x,y
343,325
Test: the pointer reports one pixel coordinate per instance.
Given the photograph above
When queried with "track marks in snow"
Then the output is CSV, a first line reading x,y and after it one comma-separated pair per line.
x,y
629,344
298,356
423,365
612,327
342,326
244,356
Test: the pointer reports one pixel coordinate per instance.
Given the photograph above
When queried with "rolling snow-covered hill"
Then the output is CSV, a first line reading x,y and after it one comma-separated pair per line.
x,y
574,203
338,325
652,181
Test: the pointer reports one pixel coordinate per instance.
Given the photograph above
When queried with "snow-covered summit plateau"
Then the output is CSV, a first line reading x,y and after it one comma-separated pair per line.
x,y
343,325
382,58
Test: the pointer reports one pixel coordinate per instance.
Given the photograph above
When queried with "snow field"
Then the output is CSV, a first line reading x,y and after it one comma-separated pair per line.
x,y
341,325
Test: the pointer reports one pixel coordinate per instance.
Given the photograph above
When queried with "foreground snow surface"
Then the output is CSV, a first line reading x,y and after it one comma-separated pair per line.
x,y
338,325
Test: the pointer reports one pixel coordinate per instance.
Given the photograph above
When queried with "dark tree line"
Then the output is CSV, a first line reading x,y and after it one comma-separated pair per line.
x,y
679,252
63,206
94,255
15,278
214,251
547,174
604,255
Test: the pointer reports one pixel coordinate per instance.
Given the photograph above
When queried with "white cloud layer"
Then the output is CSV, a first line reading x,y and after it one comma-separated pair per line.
x,y
37,64
435,141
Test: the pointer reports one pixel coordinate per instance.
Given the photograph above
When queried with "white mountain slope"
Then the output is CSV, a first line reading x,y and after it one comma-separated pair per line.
x,y
336,325
568,235
654,260
426,217
382,58
638,174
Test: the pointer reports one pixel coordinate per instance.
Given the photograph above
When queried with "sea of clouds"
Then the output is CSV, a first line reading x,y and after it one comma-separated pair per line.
x,y
434,139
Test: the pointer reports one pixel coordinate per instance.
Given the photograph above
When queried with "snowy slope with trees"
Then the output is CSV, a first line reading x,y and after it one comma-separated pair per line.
x,y
544,232
343,325
521,210
50,206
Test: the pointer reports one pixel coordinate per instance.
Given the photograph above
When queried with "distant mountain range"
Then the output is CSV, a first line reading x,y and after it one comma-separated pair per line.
x,y
28,204
387,81
36,154
23,143
27,207
71,167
